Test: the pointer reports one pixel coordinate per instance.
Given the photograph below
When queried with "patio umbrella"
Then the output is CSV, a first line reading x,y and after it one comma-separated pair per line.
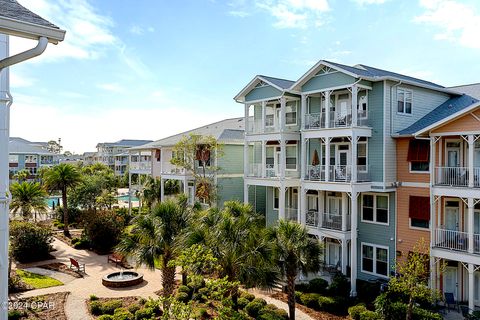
x,y
315,159
53,206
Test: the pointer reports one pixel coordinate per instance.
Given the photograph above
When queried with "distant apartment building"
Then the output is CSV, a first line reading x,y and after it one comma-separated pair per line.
x,y
113,154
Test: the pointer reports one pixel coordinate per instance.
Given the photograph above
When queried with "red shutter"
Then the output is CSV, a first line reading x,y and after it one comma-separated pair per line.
x,y
157,154
418,151
419,208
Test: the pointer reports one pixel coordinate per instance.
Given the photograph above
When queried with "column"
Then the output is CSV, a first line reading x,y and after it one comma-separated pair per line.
x,y
354,105
471,148
283,103
264,107
471,284
354,145
353,245
344,256
129,192
264,159
247,118
246,160
300,205
281,202
283,158
344,211
432,160
303,110
470,227
327,109
245,193
304,205
327,159
303,158
433,276
162,189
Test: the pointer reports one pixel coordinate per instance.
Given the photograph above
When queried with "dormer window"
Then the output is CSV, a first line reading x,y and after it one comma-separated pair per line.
x,y
404,101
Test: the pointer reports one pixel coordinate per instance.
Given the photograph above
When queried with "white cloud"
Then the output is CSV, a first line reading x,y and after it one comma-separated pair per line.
x,y
457,22
239,13
18,80
112,87
367,2
138,30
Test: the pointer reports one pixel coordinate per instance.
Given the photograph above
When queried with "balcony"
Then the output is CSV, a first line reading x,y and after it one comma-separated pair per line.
x,y
312,218
255,126
140,166
168,168
455,176
334,221
452,240
315,121
291,214
337,173
271,171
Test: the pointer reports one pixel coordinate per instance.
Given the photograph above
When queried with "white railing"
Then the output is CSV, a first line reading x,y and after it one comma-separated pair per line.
x,y
254,126
311,218
476,243
271,170
476,177
334,221
144,166
451,239
315,120
168,168
255,170
291,214
340,119
315,173
340,173
451,176
337,119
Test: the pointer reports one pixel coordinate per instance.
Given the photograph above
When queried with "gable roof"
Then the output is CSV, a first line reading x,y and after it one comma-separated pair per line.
x,y
17,20
277,83
225,131
22,146
124,143
451,108
470,89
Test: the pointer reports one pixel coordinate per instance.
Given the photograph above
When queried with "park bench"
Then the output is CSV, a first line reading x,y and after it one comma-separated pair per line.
x,y
116,258
74,264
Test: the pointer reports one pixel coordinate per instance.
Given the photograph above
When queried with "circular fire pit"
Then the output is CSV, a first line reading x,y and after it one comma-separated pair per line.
x,y
122,279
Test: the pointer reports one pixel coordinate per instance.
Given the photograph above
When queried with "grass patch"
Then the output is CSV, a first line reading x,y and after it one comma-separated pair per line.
x,y
37,281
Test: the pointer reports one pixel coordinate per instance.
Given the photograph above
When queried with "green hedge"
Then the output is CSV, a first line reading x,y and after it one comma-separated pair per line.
x,y
29,242
355,311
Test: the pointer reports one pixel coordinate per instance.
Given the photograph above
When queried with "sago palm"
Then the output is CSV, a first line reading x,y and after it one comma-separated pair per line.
x,y
28,198
63,177
294,250
156,236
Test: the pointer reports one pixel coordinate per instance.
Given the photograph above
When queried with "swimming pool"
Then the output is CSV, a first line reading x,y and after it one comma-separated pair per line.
x,y
125,198
51,200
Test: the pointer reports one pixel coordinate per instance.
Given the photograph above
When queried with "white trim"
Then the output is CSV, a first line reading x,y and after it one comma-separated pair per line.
x,y
405,91
416,184
427,229
375,246
251,85
375,208
384,142
29,30
418,172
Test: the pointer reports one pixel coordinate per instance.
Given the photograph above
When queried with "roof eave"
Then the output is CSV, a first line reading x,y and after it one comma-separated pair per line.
x,y
32,31
240,97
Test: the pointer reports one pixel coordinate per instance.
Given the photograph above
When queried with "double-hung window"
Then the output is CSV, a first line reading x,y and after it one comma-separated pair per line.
x,y
375,259
291,113
276,198
375,208
291,157
404,101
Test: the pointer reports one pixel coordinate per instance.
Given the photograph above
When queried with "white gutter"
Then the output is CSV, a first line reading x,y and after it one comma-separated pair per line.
x,y
391,106
5,103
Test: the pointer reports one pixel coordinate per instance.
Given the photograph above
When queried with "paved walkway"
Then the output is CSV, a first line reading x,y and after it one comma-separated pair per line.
x,y
96,267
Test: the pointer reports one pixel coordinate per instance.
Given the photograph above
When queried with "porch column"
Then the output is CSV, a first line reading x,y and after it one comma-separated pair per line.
x,y
344,211
327,109
327,159
283,158
470,227
245,193
303,201
162,190
246,160
354,158
344,256
303,158
303,110
161,161
283,104
471,148
433,276
300,205
321,207
264,107
264,159
471,291
353,245
129,192
432,160
247,118
354,105
281,204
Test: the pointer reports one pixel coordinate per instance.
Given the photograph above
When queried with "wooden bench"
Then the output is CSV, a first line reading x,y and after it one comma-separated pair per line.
x,y
74,264
115,258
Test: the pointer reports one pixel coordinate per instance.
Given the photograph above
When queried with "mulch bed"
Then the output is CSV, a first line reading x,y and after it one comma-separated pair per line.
x,y
318,315
60,267
49,306
73,234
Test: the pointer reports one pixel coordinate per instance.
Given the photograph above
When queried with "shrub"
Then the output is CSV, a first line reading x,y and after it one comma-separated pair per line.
x,y
15,314
310,300
355,311
302,287
422,314
242,302
327,304
29,242
109,307
185,289
133,308
122,314
196,283
298,296
367,291
397,310
75,240
144,314
318,285
201,295
82,244
151,303
247,295
96,308
203,313
103,230
340,286
253,308
93,297
369,315
182,297
105,317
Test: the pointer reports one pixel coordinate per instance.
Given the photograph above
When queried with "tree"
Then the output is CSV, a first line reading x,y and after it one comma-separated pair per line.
x,y
28,198
294,251
63,177
54,146
22,175
196,154
156,236
151,193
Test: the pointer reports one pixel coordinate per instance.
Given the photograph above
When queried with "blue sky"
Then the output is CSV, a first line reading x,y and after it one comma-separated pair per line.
x,y
148,69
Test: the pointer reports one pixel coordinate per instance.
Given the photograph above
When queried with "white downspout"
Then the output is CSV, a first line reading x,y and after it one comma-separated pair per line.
x,y
5,103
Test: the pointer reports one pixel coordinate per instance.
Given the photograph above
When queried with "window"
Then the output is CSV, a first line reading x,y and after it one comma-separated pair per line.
x,y
362,104
375,259
419,166
404,99
13,158
291,113
419,212
270,161
291,158
362,156
375,208
419,155
31,158
276,198
269,115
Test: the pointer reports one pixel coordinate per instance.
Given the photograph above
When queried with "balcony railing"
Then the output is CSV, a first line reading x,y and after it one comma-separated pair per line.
x,y
312,218
315,173
140,166
337,173
476,177
451,176
334,221
255,170
337,119
168,168
315,120
291,214
451,239
340,173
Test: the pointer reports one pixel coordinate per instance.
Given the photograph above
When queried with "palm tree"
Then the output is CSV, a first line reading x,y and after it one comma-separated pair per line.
x,y
22,175
156,236
63,177
151,193
28,198
294,251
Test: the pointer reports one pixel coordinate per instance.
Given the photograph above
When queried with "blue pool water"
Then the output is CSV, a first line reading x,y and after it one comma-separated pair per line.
x,y
52,200
125,198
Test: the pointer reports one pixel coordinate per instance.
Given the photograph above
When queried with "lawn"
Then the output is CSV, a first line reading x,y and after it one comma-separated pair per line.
x,y
37,281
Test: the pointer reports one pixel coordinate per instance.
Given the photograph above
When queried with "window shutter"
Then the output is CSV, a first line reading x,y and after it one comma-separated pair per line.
x,y
419,208
418,151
